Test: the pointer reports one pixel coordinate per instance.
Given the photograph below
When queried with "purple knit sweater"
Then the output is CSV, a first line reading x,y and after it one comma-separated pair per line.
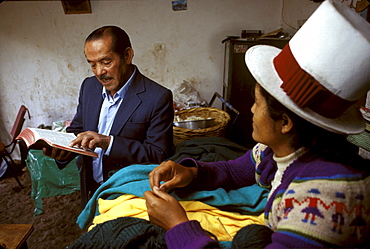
x,y
317,204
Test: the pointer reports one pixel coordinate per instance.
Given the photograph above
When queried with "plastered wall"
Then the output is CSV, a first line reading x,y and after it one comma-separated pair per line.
x,y
41,48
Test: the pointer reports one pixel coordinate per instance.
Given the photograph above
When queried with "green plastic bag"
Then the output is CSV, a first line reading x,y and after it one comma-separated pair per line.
x,y
48,180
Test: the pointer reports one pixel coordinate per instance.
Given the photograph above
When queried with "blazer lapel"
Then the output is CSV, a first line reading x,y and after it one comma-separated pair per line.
x,y
95,101
129,104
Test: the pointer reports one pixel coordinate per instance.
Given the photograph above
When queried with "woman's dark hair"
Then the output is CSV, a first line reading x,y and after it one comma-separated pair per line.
x,y
329,145
120,39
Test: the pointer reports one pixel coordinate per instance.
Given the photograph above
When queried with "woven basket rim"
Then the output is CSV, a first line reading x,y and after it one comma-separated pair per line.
x,y
209,129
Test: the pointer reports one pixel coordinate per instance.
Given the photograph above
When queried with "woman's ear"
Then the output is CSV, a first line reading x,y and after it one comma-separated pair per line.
x,y
287,124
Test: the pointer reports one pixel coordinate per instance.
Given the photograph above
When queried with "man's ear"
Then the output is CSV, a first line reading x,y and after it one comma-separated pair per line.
x,y
287,124
129,55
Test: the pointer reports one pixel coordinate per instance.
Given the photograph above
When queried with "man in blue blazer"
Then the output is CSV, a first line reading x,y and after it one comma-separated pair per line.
x,y
122,115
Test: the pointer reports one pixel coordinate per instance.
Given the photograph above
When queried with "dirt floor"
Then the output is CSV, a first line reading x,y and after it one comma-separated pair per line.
x,y
55,228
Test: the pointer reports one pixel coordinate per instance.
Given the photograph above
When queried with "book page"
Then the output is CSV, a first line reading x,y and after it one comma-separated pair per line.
x,y
54,137
36,138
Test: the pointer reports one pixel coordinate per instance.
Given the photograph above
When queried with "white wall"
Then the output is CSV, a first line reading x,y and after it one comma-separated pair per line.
x,y
41,49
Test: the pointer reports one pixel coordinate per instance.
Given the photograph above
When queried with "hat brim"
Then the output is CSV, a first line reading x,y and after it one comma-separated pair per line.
x,y
259,60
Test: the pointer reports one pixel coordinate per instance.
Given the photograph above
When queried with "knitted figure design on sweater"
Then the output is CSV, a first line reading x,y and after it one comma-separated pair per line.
x,y
317,203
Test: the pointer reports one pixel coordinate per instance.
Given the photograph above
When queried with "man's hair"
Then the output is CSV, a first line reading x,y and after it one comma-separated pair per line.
x,y
120,39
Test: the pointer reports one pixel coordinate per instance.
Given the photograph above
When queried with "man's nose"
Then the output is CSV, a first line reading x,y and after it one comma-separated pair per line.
x,y
100,70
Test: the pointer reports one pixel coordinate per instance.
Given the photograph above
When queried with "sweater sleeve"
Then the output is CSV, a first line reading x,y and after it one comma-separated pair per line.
x,y
189,235
232,174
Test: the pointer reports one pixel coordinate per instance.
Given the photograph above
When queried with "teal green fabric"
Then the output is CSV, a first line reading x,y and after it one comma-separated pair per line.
x,y
48,180
134,180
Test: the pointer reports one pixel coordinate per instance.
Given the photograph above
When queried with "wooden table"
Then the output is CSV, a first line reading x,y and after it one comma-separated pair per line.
x,y
14,236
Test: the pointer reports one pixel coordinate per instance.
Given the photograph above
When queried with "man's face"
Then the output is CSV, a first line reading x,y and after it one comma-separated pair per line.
x,y
111,70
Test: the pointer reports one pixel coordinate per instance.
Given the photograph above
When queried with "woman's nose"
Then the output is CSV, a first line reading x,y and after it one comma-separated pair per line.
x,y
252,108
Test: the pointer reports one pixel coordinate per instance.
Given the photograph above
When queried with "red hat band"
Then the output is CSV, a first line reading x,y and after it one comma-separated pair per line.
x,y
305,90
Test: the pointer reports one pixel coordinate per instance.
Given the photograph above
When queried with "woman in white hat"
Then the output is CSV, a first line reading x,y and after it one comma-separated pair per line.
x,y
304,107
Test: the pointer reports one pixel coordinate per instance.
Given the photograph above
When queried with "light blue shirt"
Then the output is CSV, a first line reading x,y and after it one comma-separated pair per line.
x,y
108,113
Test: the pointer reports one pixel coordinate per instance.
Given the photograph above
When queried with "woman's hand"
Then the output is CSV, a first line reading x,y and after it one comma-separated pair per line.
x,y
163,209
173,175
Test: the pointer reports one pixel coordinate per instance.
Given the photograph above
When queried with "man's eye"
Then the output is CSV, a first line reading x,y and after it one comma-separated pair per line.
x,y
106,63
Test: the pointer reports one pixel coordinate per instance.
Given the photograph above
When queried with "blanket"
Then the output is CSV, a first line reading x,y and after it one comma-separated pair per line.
x,y
133,180
124,232
223,224
208,149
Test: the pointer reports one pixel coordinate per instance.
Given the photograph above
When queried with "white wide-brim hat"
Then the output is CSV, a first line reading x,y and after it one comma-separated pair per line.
x,y
322,71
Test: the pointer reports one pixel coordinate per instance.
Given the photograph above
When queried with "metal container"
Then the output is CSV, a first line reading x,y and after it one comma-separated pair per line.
x,y
196,124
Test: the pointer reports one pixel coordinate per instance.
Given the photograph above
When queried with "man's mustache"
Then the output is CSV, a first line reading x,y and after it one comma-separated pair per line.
x,y
104,77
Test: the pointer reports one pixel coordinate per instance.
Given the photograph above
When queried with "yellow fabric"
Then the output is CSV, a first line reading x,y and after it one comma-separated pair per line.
x,y
220,223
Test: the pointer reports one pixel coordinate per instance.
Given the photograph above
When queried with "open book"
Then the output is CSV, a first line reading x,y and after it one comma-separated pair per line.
x,y
38,138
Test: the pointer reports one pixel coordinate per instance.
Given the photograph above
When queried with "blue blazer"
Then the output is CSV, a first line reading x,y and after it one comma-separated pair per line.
x,y
142,128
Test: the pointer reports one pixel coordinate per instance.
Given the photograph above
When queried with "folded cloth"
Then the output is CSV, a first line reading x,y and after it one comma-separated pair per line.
x,y
208,149
126,232
222,224
134,180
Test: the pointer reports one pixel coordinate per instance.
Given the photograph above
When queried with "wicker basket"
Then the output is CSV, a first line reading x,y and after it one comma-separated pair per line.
x,y
222,118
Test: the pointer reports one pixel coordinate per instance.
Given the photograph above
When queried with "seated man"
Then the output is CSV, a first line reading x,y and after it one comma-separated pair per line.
x,y
122,115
